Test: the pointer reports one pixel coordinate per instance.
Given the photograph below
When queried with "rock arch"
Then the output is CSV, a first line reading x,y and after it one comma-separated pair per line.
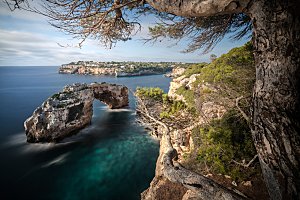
x,y
65,113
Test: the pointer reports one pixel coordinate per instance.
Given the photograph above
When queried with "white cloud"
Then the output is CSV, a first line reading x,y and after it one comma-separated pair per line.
x,y
27,39
29,48
20,47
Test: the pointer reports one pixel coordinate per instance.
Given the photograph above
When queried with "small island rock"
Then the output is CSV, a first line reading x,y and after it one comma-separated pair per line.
x,y
66,112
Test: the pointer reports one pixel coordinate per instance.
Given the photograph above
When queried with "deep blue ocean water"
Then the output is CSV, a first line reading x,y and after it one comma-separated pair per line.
x,y
114,158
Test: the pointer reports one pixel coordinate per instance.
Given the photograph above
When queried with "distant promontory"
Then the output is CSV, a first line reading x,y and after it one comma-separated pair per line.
x,y
120,69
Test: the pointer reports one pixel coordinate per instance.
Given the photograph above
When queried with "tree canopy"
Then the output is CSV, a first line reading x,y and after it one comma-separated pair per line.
x,y
111,21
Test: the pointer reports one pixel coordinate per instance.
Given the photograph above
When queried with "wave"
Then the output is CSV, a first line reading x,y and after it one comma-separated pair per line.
x,y
56,161
19,141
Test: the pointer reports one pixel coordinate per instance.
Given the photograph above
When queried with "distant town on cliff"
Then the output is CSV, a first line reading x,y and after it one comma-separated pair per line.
x,y
120,69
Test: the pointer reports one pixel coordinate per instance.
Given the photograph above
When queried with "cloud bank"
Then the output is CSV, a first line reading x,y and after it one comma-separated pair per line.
x,y
27,39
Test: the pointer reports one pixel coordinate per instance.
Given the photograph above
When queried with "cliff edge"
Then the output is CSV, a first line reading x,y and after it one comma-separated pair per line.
x,y
206,148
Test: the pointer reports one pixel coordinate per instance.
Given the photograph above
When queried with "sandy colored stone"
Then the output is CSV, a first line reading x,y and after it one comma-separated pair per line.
x,y
67,112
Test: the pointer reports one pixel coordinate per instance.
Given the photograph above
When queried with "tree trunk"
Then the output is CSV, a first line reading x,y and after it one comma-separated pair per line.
x,y
276,95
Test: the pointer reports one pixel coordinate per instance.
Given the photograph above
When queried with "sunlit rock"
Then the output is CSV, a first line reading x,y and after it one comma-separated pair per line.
x,y
68,111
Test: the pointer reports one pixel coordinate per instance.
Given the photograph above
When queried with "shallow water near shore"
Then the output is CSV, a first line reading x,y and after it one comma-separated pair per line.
x,y
114,158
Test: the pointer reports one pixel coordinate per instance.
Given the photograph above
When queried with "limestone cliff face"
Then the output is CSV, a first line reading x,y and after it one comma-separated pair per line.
x,y
161,187
96,71
176,71
216,90
81,69
179,138
178,82
65,113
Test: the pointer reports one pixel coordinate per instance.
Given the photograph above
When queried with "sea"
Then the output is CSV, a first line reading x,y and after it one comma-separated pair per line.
x,y
113,158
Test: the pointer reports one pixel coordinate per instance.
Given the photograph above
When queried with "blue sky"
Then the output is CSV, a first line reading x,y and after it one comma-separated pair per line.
x,y
26,39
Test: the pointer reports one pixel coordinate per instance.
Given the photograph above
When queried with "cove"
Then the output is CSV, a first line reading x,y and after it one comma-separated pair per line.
x,y
114,158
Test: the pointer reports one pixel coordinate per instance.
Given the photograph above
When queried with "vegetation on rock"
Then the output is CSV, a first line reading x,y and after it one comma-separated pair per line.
x,y
194,69
170,107
223,141
150,92
229,76
221,145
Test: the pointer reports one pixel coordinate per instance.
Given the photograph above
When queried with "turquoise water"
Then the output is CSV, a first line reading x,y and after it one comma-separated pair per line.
x,y
114,158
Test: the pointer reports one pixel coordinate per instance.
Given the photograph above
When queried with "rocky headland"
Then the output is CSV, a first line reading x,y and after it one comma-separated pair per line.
x,y
70,110
172,179
120,69
206,149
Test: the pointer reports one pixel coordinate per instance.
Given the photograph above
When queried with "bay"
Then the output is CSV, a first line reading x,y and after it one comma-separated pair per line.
x,y
114,158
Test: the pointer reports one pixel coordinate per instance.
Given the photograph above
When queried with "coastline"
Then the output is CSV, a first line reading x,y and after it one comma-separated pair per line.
x,y
171,177
120,69
112,137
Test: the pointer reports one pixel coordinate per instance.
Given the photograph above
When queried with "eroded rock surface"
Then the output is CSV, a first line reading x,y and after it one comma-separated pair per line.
x,y
172,180
68,111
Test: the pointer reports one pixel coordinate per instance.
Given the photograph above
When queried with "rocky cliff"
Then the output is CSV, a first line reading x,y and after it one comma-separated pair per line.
x,y
181,81
91,70
205,145
172,180
121,69
68,111
176,71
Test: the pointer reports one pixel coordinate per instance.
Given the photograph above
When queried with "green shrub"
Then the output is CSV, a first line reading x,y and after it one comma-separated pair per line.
x,y
164,114
151,92
172,107
235,69
225,140
206,91
188,95
194,69
165,99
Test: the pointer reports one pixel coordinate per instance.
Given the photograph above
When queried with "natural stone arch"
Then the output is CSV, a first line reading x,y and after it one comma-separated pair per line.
x,y
66,112
114,96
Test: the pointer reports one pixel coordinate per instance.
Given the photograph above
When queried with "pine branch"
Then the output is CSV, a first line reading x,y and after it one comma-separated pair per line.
x,y
246,165
241,111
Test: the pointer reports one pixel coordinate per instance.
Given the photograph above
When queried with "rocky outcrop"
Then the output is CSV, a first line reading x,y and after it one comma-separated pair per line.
x,y
173,181
177,71
175,140
91,70
179,82
68,111
119,69
213,97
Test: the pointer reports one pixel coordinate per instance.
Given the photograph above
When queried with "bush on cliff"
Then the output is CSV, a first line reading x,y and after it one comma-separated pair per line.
x,y
233,71
223,141
150,92
232,74
194,69
170,107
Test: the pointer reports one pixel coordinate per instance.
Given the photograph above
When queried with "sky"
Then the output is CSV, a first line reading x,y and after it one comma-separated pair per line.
x,y
27,39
